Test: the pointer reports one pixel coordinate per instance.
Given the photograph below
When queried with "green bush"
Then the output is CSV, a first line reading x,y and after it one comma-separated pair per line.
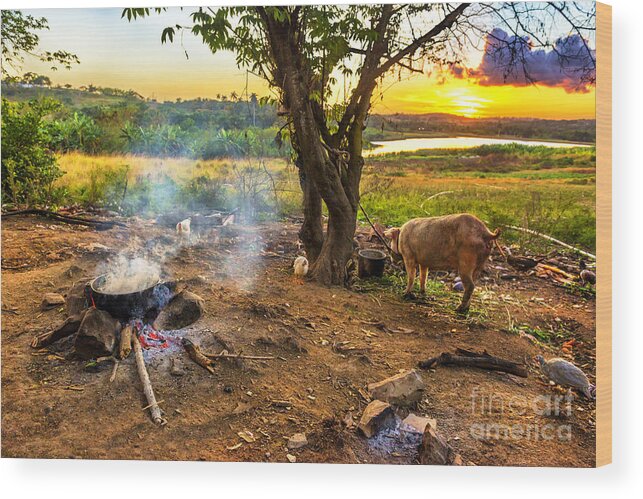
x,y
29,167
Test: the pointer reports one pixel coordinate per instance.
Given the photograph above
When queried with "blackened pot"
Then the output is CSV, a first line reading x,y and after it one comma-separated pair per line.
x,y
126,306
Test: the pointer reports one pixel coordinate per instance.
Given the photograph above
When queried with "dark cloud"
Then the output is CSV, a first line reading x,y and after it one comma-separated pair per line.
x,y
511,60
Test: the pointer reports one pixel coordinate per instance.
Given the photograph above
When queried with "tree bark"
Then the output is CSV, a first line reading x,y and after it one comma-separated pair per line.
x,y
312,230
330,266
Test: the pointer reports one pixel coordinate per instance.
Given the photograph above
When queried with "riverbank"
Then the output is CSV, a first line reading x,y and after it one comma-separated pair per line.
x,y
413,144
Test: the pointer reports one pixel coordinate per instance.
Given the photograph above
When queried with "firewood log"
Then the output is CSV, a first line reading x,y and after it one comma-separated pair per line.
x,y
125,346
196,355
153,406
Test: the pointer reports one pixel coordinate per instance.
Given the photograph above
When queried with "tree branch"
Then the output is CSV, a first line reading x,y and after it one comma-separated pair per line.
x,y
446,23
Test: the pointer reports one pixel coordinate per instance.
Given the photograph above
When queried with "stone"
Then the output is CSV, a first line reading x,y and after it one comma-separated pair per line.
x,y
51,300
376,417
76,299
291,458
402,389
434,448
417,424
297,441
184,309
96,335
73,271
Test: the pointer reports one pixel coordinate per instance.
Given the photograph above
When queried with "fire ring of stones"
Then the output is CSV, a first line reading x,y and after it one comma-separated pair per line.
x,y
109,318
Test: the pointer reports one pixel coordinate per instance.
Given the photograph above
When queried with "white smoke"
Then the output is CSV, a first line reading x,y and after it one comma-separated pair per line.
x,y
128,275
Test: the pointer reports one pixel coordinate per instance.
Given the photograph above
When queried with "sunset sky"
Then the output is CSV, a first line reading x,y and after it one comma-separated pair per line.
x,y
115,53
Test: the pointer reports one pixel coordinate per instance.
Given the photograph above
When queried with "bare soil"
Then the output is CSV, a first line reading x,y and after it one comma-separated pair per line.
x,y
56,407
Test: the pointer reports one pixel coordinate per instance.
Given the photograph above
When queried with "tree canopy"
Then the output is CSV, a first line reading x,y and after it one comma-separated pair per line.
x,y
20,38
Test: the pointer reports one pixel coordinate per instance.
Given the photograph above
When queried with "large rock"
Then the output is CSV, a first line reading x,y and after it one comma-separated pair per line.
x,y
417,424
405,388
96,335
184,309
51,300
297,441
377,416
434,449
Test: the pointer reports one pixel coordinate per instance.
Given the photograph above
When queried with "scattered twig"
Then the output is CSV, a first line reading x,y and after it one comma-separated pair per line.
x,y
556,270
224,355
194,352
113,376
88,222
149,406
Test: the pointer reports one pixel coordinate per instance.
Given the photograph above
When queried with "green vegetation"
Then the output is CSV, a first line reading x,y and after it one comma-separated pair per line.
x,y
544,189
28,166
124,153
98,120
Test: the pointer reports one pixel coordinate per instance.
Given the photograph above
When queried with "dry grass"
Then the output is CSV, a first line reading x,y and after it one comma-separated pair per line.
x,y
558,199
78,166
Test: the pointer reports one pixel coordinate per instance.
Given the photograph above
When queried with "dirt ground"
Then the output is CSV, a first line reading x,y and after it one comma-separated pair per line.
x,y
55,407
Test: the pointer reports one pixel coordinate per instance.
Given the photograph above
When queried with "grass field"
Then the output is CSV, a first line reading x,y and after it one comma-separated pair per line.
x,y
548,190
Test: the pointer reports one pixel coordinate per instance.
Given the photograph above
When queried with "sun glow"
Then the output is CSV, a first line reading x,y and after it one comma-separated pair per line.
x,y
469,99
465,103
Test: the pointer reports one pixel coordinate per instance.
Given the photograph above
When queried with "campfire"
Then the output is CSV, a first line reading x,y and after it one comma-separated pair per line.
x,y
129,308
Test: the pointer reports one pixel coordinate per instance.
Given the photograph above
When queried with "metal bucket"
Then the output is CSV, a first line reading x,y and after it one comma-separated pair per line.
x,y
370,263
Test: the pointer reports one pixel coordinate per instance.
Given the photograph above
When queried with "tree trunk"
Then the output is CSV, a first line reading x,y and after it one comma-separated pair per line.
x,y
312,231
325,176
337,250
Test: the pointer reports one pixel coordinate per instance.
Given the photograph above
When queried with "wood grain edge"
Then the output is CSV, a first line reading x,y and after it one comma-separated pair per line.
x,y
603,234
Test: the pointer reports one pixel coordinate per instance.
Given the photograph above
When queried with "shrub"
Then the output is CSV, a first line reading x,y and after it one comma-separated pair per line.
x,y
29,168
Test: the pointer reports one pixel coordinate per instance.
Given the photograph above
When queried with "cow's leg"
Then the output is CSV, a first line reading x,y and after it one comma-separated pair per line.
x,y
410,266
467,269
423,272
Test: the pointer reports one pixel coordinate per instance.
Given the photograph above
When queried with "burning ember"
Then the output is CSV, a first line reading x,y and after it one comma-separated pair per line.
x,y
150,337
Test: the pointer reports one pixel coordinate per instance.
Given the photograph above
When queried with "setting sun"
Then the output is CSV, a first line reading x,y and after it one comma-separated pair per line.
x,y
472,100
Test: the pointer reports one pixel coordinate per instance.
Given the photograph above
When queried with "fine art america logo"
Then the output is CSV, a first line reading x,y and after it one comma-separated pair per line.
x,y
489,408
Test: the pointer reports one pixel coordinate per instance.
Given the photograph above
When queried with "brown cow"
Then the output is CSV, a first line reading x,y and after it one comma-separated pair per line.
x,y
461,243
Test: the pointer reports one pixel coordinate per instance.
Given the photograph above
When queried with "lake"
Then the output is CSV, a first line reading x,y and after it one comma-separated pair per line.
x,y
406,145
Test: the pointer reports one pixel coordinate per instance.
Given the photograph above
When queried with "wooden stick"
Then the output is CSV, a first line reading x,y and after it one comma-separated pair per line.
x,y
465,358
155,410
113,376
197,356
239,356
379,236
549,238
70,219
125,346
556,270
67,328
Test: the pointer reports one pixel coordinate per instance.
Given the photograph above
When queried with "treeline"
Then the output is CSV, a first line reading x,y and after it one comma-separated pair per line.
x,y
389,126
99,120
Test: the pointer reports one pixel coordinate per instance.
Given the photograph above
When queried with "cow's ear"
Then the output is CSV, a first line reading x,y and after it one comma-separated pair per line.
x,y
392,233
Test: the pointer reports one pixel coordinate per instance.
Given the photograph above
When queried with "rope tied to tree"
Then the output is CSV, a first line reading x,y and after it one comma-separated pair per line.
x,y
338,157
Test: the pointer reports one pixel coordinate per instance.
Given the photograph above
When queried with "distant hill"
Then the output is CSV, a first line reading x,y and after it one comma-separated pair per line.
x,y
239,114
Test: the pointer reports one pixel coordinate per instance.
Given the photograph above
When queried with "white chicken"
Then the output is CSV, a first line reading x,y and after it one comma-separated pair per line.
x,y
183,229
300,266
